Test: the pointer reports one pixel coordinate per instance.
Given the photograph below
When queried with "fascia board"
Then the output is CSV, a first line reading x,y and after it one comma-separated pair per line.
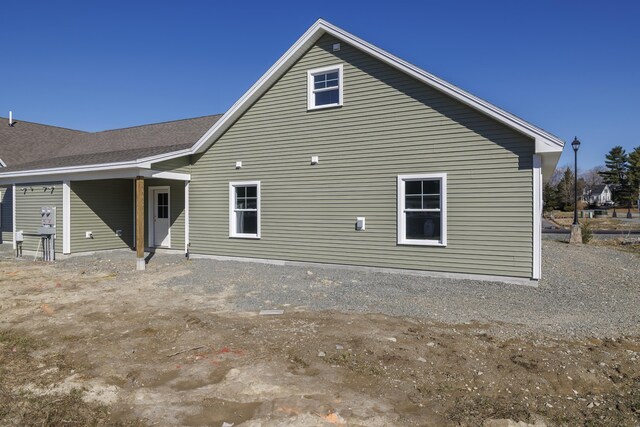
x,y
123,173
144,163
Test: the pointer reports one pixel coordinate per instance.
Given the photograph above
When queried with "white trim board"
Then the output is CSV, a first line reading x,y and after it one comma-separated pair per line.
x,y
537,217
186,217
420,273
66,217
87,175
13,206
401,221
232,217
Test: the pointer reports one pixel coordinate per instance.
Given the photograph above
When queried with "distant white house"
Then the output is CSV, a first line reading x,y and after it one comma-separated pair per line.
x,y
597,194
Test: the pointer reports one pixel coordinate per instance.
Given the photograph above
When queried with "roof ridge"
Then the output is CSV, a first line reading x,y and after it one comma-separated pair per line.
x,y
157,123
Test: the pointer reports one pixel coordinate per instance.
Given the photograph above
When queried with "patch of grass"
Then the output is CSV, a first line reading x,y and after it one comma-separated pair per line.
x,y
17,340
27,409
18,407
587,232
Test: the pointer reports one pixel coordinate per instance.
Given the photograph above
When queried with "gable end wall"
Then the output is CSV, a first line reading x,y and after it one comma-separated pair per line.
x,y
390,125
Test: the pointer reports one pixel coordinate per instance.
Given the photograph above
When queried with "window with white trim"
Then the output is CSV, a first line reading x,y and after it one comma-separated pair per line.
x,y
324,87
422,209
244,209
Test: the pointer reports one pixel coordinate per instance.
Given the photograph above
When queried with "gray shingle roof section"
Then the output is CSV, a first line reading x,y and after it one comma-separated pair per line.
x,y
31,146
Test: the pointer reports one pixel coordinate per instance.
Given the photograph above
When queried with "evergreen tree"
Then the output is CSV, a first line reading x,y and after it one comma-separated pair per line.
x,y
565,190
634,173
616,174
550,197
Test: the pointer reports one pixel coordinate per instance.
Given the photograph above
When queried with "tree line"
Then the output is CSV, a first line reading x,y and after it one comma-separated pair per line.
x,y
621,171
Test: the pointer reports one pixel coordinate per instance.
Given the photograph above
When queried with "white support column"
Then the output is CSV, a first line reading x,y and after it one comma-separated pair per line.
x,y
186,217
13,208
133,220
66,217
537,217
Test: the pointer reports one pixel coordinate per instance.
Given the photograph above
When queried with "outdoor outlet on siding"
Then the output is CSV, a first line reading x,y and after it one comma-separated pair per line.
x,y
88,234
315,160
360,223
238,165
119,233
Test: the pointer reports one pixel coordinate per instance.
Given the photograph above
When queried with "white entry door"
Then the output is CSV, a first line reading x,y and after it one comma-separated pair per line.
x,y
160,217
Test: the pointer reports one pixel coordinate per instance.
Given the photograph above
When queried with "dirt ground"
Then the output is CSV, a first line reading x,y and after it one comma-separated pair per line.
x,y
100,347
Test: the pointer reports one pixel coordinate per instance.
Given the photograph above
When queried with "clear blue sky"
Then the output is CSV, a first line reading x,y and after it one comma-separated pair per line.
x,y
570,67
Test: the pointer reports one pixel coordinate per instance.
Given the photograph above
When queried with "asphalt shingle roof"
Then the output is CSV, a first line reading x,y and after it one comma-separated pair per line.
x,y
29,146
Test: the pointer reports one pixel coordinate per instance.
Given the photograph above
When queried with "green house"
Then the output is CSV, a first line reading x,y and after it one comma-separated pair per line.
x,y
340,154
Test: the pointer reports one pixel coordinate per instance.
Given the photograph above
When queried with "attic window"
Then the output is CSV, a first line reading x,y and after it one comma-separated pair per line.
x,y
324,87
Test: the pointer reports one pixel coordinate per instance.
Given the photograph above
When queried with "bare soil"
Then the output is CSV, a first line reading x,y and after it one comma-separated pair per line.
x,y
98,347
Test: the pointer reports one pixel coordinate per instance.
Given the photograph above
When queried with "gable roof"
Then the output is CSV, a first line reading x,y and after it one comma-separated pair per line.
x,y
545,142
547,145
597,189
32,146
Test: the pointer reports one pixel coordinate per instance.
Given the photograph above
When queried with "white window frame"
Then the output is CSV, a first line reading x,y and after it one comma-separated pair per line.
x,y
311,98
402,231
232,210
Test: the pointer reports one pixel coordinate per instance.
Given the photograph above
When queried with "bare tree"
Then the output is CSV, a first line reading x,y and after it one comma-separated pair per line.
x,y
557,175
592,176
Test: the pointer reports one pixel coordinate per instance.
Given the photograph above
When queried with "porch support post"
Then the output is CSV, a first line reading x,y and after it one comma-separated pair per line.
x,y
140,264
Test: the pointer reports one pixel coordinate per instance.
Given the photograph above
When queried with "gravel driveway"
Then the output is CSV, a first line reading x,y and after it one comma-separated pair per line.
x,y
585,291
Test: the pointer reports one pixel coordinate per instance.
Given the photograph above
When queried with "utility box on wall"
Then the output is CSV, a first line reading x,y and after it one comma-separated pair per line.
x,y
47,221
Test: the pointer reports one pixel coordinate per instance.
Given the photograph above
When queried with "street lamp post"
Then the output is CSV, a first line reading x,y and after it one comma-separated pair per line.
x,y
576,232
576,145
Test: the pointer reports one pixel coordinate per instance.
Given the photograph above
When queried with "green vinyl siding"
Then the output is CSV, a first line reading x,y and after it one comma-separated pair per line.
x,y
176,210
6,219
181,165
30,198
102,207
389,125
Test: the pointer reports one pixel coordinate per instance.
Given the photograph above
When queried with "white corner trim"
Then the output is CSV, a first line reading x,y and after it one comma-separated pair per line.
x,y
537,217
311,91
232,217
186,217
13,208
402,240
66,217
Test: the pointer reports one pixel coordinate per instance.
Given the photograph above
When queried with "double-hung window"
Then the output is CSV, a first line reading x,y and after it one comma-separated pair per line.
x,y
422,209
324,87
244,209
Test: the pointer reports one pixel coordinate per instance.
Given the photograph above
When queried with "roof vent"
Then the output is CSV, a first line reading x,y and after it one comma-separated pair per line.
x,y
11,122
